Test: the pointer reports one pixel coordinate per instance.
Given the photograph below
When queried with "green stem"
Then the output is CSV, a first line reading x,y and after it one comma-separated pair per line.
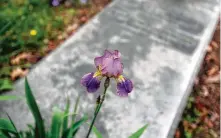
x,y
98,107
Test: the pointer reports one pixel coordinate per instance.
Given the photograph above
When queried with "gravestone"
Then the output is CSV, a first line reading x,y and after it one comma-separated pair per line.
x,y
162,43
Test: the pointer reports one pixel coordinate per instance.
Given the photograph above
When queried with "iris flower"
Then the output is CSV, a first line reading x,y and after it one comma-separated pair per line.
x,y
109,65
55,2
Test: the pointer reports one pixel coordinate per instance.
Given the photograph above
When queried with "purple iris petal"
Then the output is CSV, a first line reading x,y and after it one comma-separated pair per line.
x,y
112,67
124,87
107,54
116,54
55,2
90,82
110,63
98,61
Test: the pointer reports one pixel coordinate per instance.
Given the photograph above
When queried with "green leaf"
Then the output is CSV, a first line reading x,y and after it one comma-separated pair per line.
x,y
196,112
75,126
96,132
6,84
31,131
28,134
65,122
2,135
188,134
69,133
17,133
6,125
191,99
9,97
40,130
56,123
138,133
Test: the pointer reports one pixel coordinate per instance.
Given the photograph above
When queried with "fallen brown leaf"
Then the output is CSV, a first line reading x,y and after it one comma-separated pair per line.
x,y
185,124
34,58
209,49
18,72
177,134
214,135
214,44
214,117
83,19
20,57
193,126
72,28
208,122
213,70
82,12
196,81
51,46
205,91
213,79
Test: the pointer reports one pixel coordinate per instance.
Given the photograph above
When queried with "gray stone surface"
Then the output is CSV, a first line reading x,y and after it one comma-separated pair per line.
x,y
162,44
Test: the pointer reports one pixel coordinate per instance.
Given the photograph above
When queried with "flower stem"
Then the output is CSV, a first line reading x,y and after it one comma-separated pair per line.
x,y
98,107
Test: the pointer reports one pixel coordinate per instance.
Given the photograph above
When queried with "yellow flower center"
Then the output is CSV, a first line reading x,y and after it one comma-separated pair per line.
x,y
98,74
33,32
99,68
120,78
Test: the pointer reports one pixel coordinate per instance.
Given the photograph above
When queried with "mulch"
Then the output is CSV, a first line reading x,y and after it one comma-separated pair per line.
x,y
204,113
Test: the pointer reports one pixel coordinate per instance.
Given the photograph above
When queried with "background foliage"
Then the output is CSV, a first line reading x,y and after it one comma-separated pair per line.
x,y
26,27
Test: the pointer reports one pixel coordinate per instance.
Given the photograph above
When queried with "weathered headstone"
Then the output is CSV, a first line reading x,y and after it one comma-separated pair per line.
x,y
162,44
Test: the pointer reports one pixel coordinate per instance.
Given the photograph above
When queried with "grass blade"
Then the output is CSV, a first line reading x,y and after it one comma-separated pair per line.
x,y
75,109
35,111
75,126
31,131
96,132
56,123
69,133
18,135
65,122
5,84
7,97
138,133
6,125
